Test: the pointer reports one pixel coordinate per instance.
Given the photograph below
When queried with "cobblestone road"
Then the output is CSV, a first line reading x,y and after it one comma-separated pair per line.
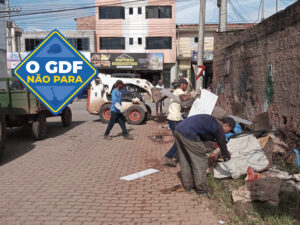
x,y
73,177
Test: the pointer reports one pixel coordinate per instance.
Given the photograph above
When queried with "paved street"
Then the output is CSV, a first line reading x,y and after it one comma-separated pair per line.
x,y
73,177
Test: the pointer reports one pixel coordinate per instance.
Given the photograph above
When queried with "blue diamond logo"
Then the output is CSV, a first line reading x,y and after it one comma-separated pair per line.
x,y
55,72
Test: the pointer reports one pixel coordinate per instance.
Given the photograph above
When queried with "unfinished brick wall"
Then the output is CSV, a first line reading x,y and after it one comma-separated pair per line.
x,y
86,23
258,70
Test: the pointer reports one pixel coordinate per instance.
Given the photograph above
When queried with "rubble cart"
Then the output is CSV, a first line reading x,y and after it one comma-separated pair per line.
x,y
20,107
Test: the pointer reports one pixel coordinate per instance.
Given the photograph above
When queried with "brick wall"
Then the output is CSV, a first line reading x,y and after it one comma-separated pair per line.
x,y
86,23
258,70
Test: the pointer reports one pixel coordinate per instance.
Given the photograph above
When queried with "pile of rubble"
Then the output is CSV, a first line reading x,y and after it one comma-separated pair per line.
x,y
256,151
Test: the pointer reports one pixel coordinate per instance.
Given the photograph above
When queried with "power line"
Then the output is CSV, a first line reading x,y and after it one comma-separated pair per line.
x,y
77,8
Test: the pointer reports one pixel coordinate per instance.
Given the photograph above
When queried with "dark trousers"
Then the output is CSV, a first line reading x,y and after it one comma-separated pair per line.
x,y
116,118
173,150
193,162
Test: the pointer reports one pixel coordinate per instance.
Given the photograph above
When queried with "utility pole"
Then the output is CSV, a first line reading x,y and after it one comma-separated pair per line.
x,y
223,15
199,82
10,25
262,10
277,5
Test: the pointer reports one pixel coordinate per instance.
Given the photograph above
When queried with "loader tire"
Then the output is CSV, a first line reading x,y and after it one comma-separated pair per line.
x,y
104,113
135,115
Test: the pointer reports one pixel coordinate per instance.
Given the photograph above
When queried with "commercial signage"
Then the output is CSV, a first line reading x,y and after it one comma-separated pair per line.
x,y
14,58
208,55
55,72
138,61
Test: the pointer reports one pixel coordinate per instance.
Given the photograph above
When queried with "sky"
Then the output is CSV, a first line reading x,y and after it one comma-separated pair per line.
x,y
239,11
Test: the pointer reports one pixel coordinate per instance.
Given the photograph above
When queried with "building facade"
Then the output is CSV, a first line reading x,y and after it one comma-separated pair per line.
x,y
130,35
3,46
14,35
187,48
83,40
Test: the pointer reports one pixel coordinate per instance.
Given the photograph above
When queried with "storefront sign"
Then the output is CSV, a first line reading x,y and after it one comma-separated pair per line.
x,y
139,61
208,55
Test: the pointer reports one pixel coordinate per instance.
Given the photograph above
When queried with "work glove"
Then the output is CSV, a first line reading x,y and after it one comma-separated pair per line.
x,y
196,93
229,165
119,107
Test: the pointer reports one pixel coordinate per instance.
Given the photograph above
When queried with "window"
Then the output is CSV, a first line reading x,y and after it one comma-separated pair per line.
x,y
159,43
140,41
31,44
196,39
139,10
130,11
82,44
111,12
158,12
131,41
2,1
112,43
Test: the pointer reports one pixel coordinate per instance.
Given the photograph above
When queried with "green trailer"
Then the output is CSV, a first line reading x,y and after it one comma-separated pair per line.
x,y
19,107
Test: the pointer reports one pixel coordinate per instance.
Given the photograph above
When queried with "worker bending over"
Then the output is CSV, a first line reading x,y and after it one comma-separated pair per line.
x,y
191,136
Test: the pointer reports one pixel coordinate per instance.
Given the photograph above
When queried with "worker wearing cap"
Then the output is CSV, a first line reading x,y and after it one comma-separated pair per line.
x,y
175,117
191,136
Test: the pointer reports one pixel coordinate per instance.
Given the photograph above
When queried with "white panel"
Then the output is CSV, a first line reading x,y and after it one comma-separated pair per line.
x,y
140,174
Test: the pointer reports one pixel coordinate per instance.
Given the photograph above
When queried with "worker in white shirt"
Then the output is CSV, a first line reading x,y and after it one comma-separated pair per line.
x,y
175,117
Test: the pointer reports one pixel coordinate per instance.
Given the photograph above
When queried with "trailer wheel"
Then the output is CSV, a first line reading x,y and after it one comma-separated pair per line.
x,y
135,115
2,133
66,117
149,112
104,113
39,127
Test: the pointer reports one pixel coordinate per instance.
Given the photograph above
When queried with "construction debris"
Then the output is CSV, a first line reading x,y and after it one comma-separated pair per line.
x,y
177,188
204,104
140,174
266,186
245,151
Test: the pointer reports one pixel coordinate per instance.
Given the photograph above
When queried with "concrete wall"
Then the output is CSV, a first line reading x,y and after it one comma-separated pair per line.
x,y
68,34
258,70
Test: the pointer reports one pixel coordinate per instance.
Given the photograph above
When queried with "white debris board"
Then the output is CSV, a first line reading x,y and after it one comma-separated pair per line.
x,y
245,151
140,174
204,104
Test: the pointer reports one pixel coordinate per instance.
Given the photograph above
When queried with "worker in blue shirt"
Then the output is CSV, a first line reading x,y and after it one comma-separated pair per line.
x,y
191,136
116,111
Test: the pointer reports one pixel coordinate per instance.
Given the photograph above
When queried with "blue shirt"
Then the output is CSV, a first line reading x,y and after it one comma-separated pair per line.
x,y
202,125
237,130
116,98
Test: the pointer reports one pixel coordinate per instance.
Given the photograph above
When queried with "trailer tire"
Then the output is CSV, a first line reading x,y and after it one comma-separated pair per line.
x,y
149,112
135,115
39,127
104,113
66,117
2,133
